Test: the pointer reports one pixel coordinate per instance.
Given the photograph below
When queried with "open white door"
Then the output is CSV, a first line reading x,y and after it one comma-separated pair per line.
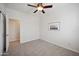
x,y
1,34
7,33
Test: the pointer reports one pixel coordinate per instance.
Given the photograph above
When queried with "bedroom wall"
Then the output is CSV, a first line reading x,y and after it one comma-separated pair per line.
x,y
68,16
29,24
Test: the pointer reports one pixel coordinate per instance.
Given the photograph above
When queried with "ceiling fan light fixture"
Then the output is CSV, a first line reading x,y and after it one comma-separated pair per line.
x,y
40,8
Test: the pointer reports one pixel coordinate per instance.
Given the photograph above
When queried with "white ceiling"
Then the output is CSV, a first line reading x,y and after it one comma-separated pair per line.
x,y
22,7
19,6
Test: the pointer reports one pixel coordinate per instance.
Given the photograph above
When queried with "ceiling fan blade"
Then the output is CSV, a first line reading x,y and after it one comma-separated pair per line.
x,y
48,6
31,5
43,11
35,11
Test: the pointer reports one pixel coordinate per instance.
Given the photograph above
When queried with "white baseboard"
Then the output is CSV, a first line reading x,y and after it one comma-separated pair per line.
x,y
27,41
63,46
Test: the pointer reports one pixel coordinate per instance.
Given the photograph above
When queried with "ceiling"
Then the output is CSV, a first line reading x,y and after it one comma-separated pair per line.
x,y
22,7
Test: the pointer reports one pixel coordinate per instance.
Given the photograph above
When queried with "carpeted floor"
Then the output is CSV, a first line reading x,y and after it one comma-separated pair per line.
x,y
38,48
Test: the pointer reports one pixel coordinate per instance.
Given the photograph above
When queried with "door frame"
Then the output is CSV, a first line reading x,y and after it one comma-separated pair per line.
x,y
7,38
16,22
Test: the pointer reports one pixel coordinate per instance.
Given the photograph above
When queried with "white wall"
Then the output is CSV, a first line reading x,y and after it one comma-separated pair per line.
x,y
29,24
68,15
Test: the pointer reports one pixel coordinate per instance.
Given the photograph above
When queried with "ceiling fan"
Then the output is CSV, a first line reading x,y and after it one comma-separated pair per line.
x,y
40,7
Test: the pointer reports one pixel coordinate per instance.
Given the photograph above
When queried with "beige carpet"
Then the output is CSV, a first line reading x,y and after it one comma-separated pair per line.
x,y
38,48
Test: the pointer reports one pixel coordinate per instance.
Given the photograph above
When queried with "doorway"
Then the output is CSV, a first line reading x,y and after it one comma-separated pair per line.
x,y
14,33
